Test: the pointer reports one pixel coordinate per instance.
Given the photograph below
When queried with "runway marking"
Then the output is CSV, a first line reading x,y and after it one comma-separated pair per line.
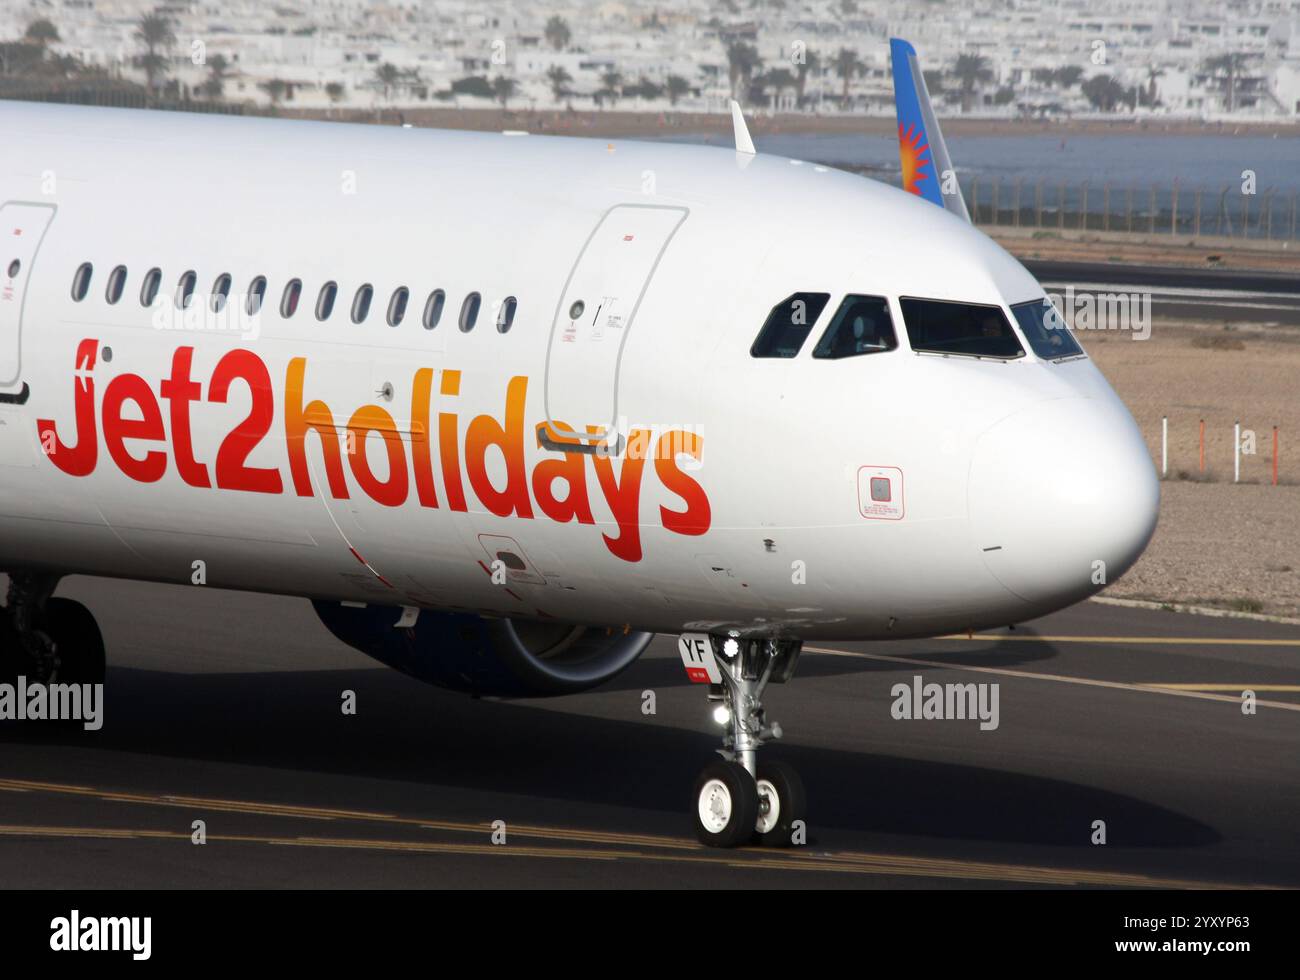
x,y
802,862
1145,640
1225,687
322,813
1059,678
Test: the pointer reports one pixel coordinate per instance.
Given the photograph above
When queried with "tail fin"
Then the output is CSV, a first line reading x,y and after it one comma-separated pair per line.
x,y
927,170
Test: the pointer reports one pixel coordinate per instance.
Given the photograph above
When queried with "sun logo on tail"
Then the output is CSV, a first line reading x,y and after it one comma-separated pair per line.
x,y
914,155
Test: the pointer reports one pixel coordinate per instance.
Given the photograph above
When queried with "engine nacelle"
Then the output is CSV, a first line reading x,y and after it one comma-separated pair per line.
x,y
501,657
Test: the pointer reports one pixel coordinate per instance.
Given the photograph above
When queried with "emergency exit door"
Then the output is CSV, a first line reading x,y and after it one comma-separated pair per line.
x,y
22,227
597,312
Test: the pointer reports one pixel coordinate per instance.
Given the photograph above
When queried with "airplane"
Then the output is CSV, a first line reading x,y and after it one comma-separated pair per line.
x,y
504,406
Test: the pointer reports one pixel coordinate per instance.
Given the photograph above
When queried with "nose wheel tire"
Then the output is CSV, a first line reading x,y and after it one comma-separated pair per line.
x,y
726,805
781,804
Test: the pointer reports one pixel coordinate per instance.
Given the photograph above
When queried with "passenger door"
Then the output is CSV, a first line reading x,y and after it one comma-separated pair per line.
x,y
596,312
22,227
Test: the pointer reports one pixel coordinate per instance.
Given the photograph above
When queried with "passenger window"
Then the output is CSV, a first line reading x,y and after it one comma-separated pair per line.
x,y
469,312
256,294
14,268
860,326
185,290
361,303
325,301
433,309
789,324
220,292
397,305
149,288
976,330
1045,330
289,301
116,284
81,281
506,315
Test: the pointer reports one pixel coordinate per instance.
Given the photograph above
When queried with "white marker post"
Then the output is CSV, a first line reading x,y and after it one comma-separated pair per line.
x,y
1164,445
1236,452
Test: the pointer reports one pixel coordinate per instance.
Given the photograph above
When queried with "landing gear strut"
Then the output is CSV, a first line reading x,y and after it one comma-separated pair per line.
x,y
48,640
739,799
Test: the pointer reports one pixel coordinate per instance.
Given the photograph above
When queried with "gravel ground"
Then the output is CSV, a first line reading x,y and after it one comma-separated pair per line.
x,y
1218,543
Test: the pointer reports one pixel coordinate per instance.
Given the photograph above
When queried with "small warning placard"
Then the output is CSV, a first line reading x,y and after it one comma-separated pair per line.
x,y
880,493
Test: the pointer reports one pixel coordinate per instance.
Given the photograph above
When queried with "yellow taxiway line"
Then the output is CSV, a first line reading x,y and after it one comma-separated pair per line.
x,y
1225,687
1165,689
750,859
640,847
1160,640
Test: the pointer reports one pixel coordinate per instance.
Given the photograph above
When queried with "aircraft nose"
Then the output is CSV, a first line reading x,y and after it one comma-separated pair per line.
x,y
1063,498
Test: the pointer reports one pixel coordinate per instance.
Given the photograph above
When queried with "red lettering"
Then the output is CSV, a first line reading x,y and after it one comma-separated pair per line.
x,y
79,459
485,431
233,473
447,440
133,388
297,420
571,467
391,492
623,496
696,518
421,440
180,393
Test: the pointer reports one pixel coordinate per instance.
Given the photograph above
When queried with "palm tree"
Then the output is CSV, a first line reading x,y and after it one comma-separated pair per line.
x,y
780,80
559,77
388,75
809,65
1104,92
503,89
275,89
1226,69
848,64
611,84
742,62
1068,76
42,32
677,87
557,33
218,71
971,70
154,32
335,91
414,83
1152,92
645,89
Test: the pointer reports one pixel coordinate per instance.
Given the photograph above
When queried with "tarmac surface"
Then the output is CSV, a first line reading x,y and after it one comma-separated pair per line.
x,y
225,707
1226,295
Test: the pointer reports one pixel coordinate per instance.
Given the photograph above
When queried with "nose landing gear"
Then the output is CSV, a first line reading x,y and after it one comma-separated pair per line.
x,y
738,799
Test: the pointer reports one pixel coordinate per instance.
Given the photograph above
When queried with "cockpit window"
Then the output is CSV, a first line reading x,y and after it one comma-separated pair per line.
x,y
789,324
939,327
1045,330
861,326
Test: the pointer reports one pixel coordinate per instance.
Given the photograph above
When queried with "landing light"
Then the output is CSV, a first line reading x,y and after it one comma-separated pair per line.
x,y
722,714
730,648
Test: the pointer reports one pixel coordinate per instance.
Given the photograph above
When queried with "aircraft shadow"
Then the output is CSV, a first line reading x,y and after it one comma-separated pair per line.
x,y
409,732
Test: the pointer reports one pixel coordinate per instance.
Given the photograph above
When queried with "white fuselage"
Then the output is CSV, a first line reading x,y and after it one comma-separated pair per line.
x,y
396,464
